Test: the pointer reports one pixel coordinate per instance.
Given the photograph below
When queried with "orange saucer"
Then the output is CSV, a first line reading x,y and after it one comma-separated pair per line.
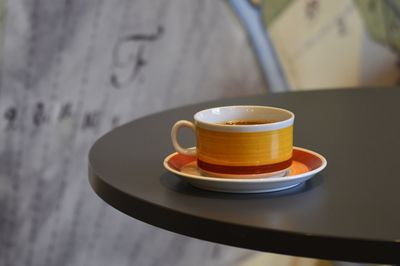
x,y
305,164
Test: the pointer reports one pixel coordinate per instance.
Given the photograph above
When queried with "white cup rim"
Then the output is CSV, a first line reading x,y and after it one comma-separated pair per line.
x,y
212,118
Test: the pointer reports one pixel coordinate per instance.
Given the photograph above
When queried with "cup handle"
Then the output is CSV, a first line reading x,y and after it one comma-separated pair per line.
x,y
174,136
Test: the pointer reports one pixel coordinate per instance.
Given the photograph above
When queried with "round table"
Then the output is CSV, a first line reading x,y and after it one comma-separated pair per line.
x,y
350,211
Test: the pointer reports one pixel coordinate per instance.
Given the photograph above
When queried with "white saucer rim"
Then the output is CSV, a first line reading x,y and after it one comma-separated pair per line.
x,y
247,190
250,180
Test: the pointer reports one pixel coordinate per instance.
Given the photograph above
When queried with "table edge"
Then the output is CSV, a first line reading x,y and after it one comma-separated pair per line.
x,y
288,243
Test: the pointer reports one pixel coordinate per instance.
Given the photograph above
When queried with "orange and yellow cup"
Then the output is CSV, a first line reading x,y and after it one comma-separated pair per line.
x,y
243,141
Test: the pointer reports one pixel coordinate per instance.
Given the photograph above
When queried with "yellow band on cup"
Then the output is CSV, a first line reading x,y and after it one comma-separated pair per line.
x,y
244,148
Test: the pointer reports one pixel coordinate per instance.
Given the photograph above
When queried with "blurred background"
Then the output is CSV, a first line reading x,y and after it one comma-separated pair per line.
x,y
72,70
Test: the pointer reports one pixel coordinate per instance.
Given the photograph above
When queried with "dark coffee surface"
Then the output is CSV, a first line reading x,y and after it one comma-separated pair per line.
x,y
247,122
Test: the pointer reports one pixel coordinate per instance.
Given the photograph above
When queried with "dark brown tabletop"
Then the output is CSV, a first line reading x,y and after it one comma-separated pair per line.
x,y
350,211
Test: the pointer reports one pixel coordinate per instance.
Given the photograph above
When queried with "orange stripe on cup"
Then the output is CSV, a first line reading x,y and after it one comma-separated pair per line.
x,y
244,170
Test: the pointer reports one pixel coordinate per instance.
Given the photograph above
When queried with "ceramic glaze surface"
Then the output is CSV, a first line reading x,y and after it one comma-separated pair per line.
x,y
244,149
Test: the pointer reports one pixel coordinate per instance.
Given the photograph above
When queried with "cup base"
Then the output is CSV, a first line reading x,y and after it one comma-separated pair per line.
x,y
241,171
280,173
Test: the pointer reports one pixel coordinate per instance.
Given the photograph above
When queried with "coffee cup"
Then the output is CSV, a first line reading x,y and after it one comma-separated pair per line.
x,y
243,141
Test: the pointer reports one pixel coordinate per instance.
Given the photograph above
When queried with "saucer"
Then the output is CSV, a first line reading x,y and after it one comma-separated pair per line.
x,y
305,164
